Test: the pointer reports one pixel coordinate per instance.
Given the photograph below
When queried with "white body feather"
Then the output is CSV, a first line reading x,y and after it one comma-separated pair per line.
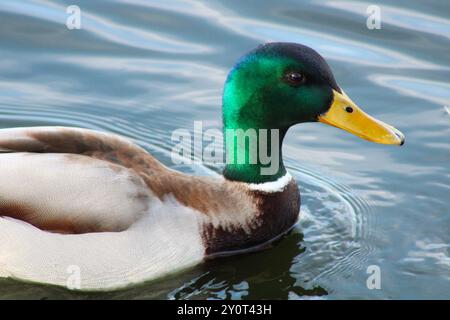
x,y
163,236
160,243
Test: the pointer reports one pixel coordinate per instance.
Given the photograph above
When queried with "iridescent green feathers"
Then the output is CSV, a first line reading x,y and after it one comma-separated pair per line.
x,y
257,95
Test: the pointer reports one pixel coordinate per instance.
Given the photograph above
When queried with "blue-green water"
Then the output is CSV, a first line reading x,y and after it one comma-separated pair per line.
x,y
145,68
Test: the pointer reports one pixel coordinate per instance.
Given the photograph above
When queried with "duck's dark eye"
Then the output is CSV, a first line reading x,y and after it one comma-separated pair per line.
x,y
294,78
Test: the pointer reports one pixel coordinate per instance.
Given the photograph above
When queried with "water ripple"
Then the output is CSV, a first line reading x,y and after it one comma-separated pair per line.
x,y
104,28
145,68
400,17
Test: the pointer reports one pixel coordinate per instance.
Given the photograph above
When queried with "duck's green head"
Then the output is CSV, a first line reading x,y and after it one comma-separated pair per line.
x,y
278,85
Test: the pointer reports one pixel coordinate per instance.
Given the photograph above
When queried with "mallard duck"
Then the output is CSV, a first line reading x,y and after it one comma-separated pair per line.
x,y
99,202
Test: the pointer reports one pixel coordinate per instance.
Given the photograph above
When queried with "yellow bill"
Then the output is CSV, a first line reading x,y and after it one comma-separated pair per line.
x,y
346,115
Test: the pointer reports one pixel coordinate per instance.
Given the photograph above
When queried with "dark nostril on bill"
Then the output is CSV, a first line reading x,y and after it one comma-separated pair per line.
x,y
349,109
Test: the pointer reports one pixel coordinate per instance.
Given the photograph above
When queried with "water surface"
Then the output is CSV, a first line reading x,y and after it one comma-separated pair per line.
x,y
145,68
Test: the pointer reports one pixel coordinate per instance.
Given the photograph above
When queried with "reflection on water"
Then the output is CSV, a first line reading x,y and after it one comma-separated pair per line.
x,y
145,68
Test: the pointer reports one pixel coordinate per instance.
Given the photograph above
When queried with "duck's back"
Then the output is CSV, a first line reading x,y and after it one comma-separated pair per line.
x,y
76,199
71,200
